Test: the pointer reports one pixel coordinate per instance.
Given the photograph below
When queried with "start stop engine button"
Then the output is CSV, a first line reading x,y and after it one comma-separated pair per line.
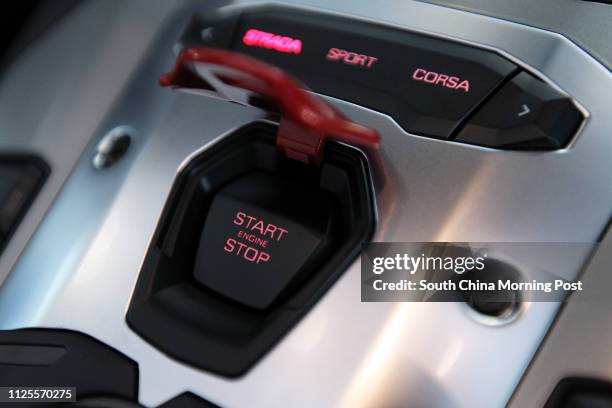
x,y
262,236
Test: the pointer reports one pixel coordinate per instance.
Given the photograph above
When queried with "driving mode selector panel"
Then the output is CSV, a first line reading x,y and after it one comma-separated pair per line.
x,y
432,87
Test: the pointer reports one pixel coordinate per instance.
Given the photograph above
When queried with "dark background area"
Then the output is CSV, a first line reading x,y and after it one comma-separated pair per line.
x,y
24,20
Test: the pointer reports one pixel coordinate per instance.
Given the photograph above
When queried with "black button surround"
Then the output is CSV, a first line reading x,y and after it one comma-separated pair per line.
x,y
196,325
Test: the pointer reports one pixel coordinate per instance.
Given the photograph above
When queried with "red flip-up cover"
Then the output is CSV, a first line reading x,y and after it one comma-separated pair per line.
x,y
307,121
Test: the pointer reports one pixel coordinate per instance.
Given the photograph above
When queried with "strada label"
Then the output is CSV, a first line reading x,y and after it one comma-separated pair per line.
x,y
280,43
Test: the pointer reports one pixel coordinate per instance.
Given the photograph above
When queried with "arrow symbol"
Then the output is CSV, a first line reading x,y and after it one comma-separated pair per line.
x,y
525,111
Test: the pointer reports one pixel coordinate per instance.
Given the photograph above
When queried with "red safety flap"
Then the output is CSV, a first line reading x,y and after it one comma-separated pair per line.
x,y
307,121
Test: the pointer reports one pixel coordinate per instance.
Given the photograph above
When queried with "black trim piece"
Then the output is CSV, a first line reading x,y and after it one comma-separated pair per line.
x,y
34,172
92,367
580,392
188,400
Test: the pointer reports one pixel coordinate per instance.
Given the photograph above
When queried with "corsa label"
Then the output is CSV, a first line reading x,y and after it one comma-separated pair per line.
x,y
443,80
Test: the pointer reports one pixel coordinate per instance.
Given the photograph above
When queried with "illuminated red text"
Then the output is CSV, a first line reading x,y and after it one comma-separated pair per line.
x,y
257,225
256,234
447,81
351,58
249,253
262,39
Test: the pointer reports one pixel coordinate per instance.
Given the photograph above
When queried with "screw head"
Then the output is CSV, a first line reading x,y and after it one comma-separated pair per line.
x,y
112,147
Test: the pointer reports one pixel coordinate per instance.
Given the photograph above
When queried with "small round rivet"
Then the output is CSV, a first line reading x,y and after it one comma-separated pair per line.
x,y
112,147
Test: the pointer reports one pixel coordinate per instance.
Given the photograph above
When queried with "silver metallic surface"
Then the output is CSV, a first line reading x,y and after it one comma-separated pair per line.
x,y
582,21
79,269
56,93
579,342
